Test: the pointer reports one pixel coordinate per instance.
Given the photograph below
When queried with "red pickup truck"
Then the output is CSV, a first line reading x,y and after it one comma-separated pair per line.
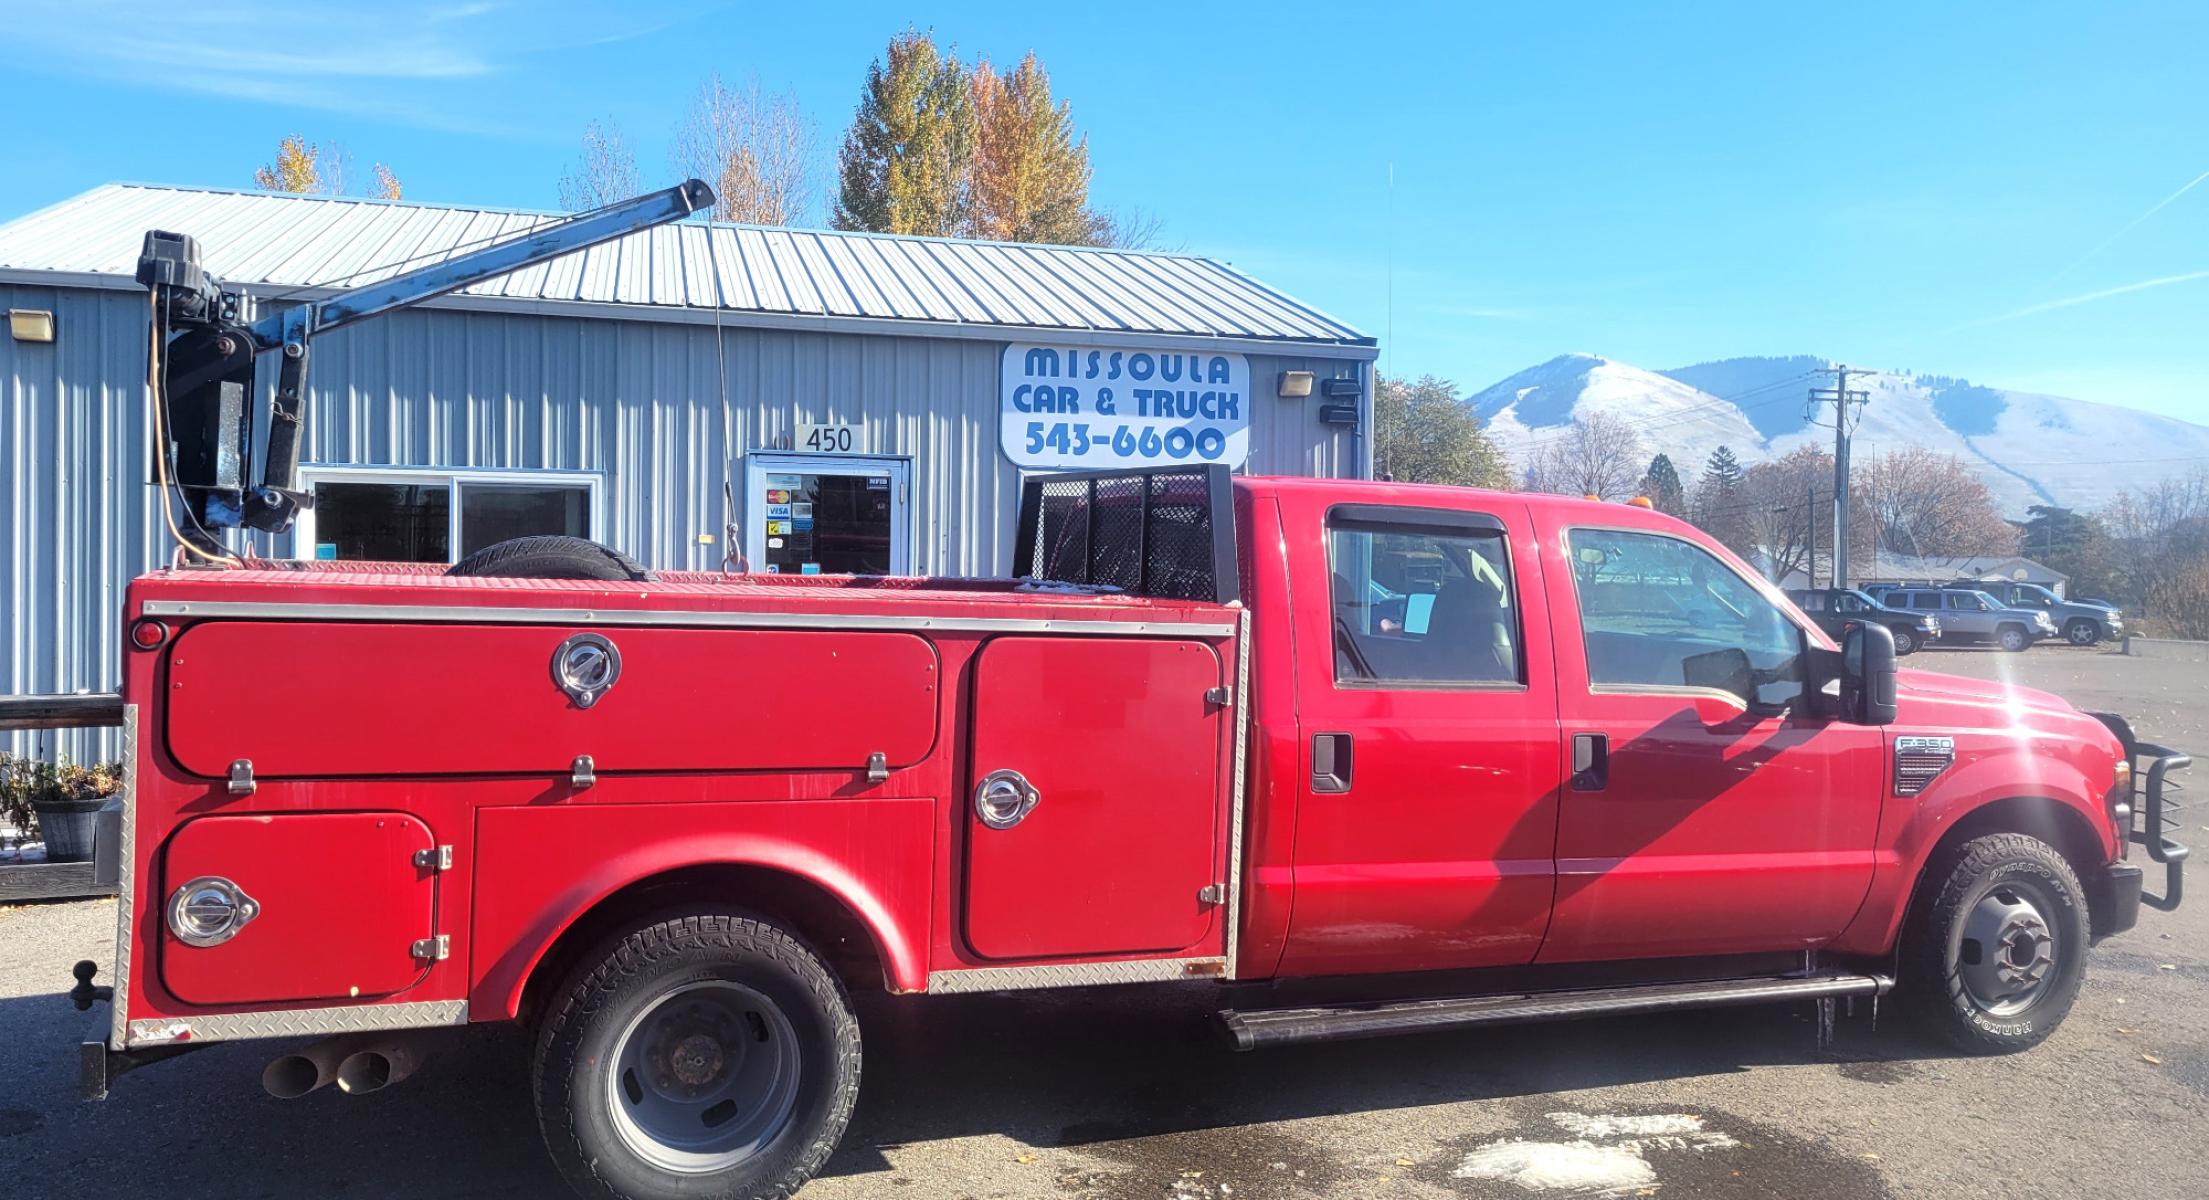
x,y
1498,757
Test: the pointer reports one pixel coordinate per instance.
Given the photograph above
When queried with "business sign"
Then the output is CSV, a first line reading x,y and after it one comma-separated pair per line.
x,y
831,438
1071,407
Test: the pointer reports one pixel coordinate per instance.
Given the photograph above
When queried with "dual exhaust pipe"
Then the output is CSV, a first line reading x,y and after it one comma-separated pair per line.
x,y
357,1063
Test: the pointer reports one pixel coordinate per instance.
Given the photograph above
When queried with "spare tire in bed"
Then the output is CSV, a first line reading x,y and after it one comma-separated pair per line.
x,y
551,556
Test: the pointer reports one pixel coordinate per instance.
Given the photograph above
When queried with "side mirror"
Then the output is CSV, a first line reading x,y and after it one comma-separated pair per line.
x,y
1868,675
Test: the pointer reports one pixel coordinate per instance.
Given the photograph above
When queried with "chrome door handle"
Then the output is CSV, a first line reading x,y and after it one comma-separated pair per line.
x,y
1004,798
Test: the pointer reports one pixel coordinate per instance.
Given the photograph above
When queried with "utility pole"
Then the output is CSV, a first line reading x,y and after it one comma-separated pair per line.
x,y
1840,397
1810,527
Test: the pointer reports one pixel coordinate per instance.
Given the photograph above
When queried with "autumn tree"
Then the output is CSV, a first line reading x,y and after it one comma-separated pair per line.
x,y
302,167
1661,483
606,172
1423,433
1030,180
905,160
1598,455
1923,503
1779,517
756,149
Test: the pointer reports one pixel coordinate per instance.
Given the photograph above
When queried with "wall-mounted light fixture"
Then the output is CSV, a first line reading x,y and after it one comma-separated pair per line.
x,y
1338,414
31,324
1341,389
1295,385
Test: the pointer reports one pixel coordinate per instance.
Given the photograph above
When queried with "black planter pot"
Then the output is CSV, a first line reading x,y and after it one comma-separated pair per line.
x,y
67,827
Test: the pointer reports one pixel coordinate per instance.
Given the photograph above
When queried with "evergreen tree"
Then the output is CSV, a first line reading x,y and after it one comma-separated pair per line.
x,y
1661,483
906,158
1723,471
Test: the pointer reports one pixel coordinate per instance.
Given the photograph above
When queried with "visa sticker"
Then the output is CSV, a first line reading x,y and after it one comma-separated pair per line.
x,y
778,510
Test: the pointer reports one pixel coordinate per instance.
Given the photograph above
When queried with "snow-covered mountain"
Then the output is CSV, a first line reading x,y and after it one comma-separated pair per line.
x,y
2031,449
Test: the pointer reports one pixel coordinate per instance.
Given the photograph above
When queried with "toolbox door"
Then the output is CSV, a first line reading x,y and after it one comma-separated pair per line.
x,y
335,903
1094,806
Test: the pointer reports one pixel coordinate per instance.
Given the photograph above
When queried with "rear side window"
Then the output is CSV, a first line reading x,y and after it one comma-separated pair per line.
x,y
1810,601
1422,604
1925,600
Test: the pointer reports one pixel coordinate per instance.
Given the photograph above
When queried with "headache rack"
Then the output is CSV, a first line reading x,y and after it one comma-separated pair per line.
x,y
1168,533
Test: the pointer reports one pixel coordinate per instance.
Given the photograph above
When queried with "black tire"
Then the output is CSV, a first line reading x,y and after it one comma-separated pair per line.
x,y
1945,968
1906,640
583,1042
551,556
2082,632
2014,639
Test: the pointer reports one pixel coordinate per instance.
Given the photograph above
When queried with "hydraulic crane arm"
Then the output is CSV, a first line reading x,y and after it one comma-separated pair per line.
x,y
205,370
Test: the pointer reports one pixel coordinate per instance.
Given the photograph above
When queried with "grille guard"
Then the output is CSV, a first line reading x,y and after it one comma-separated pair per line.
x,y
2155,815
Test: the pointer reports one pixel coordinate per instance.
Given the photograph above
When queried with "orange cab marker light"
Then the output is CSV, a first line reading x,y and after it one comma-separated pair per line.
x,y
1641,502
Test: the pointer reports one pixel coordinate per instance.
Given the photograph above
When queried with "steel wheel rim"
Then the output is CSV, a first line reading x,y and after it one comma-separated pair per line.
x,y
1904,643
703,1078
2007,957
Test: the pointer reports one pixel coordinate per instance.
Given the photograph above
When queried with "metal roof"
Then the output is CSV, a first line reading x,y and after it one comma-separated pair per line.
x,y
274,246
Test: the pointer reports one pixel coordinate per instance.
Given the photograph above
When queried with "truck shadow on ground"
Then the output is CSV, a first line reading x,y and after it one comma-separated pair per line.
x,y
1049,1070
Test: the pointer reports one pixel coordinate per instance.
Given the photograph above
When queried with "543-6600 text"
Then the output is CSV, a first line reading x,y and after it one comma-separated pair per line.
x,y
1080,438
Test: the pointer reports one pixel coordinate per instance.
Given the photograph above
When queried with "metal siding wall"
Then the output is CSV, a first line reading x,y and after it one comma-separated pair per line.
x,y
76,521
634,401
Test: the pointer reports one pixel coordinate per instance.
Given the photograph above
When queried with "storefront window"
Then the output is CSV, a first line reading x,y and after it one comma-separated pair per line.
x,y
370,514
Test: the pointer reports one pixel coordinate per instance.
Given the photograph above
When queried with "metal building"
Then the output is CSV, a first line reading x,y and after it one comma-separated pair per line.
x,y
696,394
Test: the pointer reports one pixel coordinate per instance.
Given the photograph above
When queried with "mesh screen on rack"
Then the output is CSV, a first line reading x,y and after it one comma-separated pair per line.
x,y
1147,533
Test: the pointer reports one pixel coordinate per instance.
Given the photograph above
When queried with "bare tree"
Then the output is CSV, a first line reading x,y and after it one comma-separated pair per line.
x,y
1598,456
1129,229
2156,533
757,150
1778,514
606,173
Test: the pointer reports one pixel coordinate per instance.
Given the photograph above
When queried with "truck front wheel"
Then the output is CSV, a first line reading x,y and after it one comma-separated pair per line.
x,y
1996,947
2014,639
706,1054
2082,632
1906,639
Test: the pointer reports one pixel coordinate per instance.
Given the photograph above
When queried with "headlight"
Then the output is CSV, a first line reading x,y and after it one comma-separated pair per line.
x,y
209,911
2123,773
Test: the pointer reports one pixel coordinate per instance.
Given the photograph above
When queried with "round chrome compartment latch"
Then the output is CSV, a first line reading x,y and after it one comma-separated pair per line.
x,y
1004,799
210,910
585,667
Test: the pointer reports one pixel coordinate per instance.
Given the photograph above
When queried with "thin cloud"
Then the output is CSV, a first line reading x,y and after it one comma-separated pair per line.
x,y
2111,240
2086,298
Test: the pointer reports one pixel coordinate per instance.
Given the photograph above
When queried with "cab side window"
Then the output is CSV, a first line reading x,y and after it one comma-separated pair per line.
x,y
1811,601
1847,602
1659,612
1421,603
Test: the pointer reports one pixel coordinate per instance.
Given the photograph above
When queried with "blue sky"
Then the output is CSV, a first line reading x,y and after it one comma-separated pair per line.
x,y
1958,192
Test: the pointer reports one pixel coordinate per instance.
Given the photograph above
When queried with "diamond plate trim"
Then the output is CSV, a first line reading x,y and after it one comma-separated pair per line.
x,y
126,887
1013,979
298,1022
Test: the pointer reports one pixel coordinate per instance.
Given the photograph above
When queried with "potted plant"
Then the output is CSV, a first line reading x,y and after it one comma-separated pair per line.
x,y
61,802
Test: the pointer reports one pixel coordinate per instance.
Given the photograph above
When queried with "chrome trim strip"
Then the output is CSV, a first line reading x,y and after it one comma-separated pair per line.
x,y
471,614
126,887
298,1022
1235,812
1010,979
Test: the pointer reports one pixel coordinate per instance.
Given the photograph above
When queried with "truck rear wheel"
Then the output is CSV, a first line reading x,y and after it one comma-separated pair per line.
x,y
707,1054
551,556
1996,947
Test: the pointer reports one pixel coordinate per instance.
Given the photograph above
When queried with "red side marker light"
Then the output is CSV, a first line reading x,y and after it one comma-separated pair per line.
x,y
148,635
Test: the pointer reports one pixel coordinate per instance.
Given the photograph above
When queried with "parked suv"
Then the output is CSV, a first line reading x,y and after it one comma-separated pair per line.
x,y
1835,609
2083,622
1974,616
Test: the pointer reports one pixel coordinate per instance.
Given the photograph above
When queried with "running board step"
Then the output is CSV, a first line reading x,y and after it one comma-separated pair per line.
x,y
1258,1028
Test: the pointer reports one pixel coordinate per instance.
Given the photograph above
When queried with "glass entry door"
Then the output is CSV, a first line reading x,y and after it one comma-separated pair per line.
x,y
825,514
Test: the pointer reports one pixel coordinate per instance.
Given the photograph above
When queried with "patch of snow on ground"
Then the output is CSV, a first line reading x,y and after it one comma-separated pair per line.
x,y
1607,1156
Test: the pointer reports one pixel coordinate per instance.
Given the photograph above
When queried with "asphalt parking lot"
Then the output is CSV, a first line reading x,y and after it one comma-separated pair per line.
x,y
1127,1096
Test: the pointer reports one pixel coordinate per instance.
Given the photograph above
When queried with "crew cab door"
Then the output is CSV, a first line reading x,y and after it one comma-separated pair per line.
x,y
1709,810
1427,719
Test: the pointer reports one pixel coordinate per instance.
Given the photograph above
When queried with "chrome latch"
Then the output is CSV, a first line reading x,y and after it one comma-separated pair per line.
x,y
878,767
436,858
241,777
582,773
434,949
1212,893
1218,696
